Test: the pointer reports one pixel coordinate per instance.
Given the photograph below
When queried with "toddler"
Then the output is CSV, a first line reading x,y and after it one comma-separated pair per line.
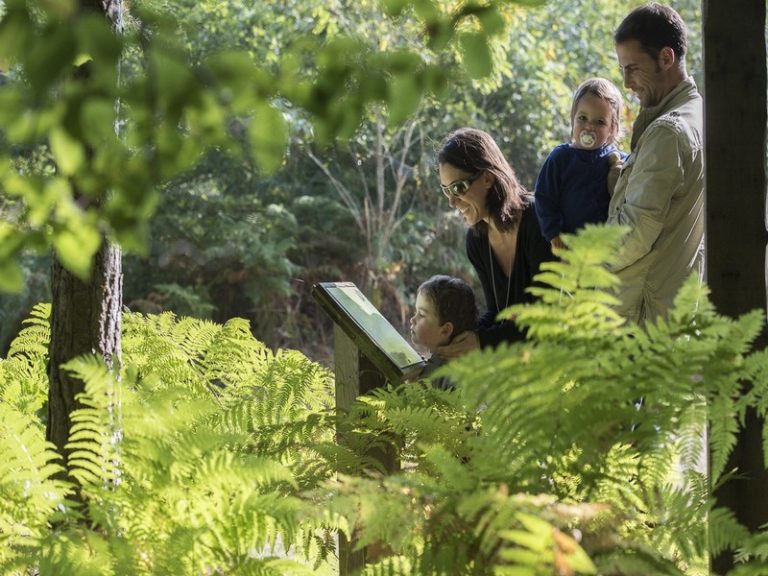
x,y
575,183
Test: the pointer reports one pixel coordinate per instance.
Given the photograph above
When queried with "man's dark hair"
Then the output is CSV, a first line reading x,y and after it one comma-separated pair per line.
x,y
655,26
454,301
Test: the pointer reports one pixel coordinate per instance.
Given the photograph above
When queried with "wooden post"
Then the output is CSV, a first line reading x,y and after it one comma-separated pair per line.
x,y
355,375
735,135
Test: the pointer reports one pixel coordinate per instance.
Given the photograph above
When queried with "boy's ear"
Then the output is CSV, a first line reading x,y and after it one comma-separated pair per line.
x,y
446,330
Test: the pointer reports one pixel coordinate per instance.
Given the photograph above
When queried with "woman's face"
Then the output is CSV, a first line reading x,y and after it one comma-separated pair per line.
x,y
470,204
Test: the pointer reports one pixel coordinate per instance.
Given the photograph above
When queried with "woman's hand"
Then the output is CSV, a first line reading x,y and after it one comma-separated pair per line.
x,y
463,343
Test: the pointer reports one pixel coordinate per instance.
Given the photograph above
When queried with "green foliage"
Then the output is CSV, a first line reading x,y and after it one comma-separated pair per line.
x,y
29,495
23,373
183,465
602,422
169,111
576,452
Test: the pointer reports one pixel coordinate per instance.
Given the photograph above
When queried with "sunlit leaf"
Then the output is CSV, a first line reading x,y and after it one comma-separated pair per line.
x,y
491,21
67,151
268,136
11,276
427,10
97,120
394,7
404,98
75,246
15,34
42,205
477,55
174,81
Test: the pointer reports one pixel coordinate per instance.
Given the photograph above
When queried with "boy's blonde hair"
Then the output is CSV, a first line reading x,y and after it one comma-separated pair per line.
x,y
605,90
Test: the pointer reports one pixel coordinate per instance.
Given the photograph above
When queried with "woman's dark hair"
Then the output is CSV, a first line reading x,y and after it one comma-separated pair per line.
x,y
472,151
454,301
654,26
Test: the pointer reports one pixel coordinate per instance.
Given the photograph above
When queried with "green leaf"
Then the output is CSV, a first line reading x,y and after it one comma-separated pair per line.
x,y
268,136
394,7
41,206
404,98
47,61
491,21
67,151
16,33
96,38
97,121
75,246
59,8
427,10
477,55
11,276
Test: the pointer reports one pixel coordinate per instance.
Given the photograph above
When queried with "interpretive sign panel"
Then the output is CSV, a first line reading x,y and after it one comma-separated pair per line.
x,y
371,332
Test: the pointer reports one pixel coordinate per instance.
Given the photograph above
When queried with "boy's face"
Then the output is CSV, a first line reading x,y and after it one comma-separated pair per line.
x,y
426,329
592,123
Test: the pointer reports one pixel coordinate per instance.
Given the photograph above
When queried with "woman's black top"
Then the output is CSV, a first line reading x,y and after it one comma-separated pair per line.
x,y
532,249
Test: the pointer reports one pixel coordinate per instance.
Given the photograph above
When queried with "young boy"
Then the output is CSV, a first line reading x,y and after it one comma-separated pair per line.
x,y
445,307
574,185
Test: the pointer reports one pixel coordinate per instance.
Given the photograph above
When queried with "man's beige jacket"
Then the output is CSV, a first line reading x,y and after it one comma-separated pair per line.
x,y
660,197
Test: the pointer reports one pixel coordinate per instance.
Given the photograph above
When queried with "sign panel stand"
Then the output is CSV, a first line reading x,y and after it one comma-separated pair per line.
x,y
368,352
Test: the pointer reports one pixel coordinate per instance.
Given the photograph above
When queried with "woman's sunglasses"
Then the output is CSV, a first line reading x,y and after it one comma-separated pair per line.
x,y
459,187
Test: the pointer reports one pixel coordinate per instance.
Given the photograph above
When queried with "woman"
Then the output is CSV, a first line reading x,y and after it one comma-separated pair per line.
x,y
504,242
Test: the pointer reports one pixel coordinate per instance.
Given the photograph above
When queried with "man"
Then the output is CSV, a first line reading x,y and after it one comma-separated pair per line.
x,y
660,193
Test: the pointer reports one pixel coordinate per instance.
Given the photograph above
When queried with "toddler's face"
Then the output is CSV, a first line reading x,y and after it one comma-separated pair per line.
x,y
426,329
592,123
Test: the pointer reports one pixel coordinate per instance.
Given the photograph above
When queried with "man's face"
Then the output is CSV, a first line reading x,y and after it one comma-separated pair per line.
x,y
642,73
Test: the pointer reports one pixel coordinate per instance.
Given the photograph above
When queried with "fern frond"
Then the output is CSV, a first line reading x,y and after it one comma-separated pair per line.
x,y
726,532
77,552
23,374
94,459
723,430
29,495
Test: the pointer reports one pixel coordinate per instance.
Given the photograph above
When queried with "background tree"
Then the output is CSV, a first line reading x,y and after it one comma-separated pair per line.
x,y
736,223
86,303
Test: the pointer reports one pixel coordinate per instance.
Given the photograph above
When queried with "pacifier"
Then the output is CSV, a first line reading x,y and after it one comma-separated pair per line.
x,y
587,139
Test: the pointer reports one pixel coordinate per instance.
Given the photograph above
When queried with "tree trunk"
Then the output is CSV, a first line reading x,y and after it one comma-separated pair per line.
x,y
85,319
735,122
85,316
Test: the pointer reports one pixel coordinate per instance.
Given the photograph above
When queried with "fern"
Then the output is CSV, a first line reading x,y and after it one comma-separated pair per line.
x,y
29,495
23,374
575,452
